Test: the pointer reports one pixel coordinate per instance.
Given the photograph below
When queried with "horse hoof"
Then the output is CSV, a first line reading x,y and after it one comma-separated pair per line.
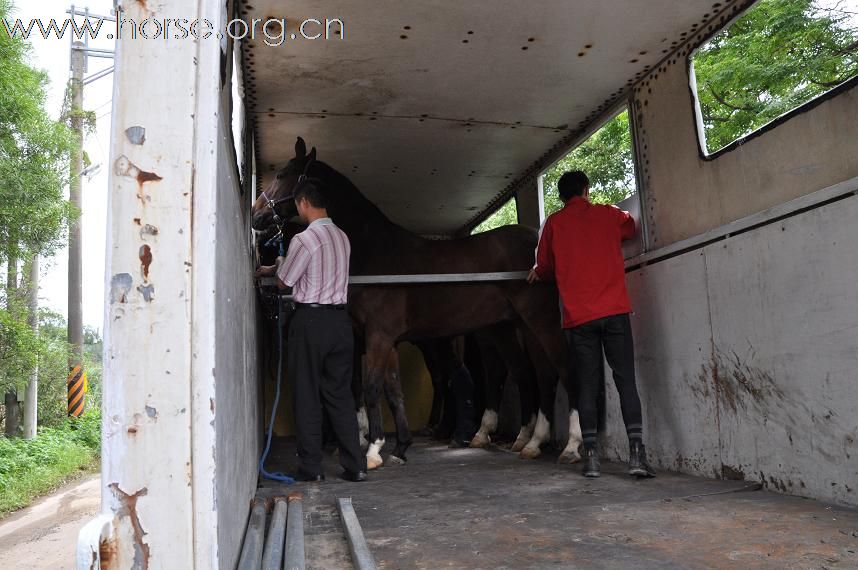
x,y
569,457
480,441
393,460
518,445
530,452
374,463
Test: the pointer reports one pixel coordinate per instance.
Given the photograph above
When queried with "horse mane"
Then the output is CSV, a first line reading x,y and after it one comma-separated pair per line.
x,y
342,193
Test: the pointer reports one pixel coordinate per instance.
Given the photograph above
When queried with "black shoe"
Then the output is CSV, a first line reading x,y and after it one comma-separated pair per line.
x,y
354,476
458,443
638,465
309,477
592,468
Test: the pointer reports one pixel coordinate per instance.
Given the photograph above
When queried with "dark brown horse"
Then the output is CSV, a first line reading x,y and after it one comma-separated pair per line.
x,y
390,314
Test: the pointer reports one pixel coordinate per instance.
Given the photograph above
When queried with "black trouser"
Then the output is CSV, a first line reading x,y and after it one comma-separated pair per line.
x,y
321,347
614,335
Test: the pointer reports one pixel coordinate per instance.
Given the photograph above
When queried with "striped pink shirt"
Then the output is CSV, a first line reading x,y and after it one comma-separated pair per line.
x,y
317,264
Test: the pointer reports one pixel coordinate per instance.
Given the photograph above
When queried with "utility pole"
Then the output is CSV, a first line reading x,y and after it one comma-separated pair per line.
x,y
31,396
80,50
11,396
75,303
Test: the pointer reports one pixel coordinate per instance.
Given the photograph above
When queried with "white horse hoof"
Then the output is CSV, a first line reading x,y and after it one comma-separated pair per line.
x,y
519,445
393,460
530,452
569,457
480,441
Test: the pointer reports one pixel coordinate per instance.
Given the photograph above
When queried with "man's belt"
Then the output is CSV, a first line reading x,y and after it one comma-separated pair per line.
x,y
319,306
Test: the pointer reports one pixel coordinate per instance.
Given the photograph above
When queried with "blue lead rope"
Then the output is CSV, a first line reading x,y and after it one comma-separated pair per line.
x,y
283,478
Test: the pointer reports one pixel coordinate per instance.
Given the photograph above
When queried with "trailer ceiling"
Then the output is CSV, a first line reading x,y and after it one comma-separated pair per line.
x,y
435,108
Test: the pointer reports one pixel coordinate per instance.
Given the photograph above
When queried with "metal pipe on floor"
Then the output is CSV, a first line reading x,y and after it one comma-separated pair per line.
x,y
294,558
361,556
272,556
251,552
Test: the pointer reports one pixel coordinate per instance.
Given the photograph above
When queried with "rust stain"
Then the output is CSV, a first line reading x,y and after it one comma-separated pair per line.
x,y
145,260
129,509
107,550
132,430
137,221
143,176
295,497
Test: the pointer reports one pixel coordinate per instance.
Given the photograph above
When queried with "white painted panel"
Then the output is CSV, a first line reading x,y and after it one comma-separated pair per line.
x,y
672,344
147,460
785,322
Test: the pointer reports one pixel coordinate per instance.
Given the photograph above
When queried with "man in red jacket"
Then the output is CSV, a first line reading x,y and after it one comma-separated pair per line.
x,y
579,248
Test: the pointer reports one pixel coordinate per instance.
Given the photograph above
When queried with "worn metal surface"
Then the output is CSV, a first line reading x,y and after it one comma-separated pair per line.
x,y
489,509
746,357
272,558
252,549
180,324
293,557
147,466
434,109
361,556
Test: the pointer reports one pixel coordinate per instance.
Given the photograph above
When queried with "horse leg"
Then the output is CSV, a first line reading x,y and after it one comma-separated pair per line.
x,y
547,384
396,401
378,352
357,392
489,344
522,372
439,385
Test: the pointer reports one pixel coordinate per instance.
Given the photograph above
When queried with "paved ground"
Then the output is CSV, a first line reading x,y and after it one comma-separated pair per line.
x,y
45,534
489,509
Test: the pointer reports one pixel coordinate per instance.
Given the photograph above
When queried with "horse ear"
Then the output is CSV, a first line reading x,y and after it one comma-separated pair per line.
x,y
312,157
300,148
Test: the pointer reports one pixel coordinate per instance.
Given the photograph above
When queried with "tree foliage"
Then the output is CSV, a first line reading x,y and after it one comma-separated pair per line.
x,y
778,56
503,216
607,159
34,156
34,171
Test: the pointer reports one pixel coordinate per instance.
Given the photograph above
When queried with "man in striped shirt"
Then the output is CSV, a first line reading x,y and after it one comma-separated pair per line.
x,y
320,342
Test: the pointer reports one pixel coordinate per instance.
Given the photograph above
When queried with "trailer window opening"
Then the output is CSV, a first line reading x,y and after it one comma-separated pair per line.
x,y
606,157
778,56
504,216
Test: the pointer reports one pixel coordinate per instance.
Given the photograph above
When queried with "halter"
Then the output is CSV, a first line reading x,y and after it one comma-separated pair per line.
x,y
278,221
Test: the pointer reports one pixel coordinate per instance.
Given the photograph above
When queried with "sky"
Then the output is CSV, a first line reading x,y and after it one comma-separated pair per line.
x,y
52,55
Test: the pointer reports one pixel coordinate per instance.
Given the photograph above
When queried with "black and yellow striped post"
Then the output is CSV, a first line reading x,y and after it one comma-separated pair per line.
x,y
77,391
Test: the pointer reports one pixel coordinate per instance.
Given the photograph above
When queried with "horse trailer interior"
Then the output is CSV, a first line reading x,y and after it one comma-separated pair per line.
x,y
743,281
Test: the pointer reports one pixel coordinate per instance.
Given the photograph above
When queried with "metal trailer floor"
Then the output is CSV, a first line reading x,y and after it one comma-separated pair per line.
x,y
489,509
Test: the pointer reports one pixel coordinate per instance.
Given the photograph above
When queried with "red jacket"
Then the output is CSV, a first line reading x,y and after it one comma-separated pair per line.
x,y
580,248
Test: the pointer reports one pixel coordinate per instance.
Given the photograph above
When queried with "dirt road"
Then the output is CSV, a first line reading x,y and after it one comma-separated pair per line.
x,y
45,534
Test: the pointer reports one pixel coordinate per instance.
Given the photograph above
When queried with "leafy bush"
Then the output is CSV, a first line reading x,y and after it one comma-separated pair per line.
x,y
29,468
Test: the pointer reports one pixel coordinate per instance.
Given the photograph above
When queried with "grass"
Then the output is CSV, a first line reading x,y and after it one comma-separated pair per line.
x,y
31,468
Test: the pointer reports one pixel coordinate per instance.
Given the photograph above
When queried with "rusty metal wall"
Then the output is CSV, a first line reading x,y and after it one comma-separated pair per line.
x,y
747,353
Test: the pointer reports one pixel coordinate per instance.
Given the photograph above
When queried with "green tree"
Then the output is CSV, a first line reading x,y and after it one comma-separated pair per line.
x,y
34,157
607,159
779,55
34,167
504,216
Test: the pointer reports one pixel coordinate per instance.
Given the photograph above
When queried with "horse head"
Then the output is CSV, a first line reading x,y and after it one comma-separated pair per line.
x,y
275,203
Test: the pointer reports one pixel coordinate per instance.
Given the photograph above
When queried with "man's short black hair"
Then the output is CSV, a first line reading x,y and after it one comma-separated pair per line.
x,y
572,184
311,190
